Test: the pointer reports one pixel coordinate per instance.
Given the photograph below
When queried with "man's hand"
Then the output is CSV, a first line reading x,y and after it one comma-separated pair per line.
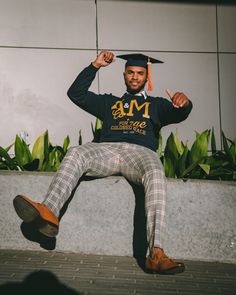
x,y
103,59
179,99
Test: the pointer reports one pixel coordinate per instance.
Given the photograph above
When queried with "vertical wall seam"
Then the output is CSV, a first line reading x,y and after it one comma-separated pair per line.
x,y
96,16
218,75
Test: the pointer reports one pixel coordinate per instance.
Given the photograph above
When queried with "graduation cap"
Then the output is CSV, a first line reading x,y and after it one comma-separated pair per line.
x,y
140,60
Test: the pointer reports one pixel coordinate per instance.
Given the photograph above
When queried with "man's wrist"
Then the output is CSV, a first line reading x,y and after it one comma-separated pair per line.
x,y
96,65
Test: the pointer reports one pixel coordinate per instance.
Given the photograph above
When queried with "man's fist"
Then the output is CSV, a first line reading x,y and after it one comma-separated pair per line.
x,y
103,59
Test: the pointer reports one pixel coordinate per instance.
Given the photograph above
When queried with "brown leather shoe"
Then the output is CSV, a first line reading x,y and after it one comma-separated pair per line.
x,y
158,262
30,211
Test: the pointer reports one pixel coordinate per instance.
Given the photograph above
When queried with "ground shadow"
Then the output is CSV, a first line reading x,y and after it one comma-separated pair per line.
x,y
31,233
38,282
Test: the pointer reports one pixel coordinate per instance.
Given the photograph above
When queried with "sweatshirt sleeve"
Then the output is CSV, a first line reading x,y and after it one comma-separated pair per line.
x,y
168,114
87,100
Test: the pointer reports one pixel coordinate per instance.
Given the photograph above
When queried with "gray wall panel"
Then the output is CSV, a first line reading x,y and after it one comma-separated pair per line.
x,y
50,23
228,94
227,28
147,25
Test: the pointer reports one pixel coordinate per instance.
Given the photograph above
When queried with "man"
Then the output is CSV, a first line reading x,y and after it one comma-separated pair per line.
x,y
127,146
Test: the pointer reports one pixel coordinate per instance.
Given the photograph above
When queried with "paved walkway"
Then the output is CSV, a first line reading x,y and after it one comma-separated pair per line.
x,y
31,272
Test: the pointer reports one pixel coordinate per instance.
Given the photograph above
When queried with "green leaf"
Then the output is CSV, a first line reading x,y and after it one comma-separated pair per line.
x,y
182,163
170,156
225,144
80,138
66,144
4,154
206,168
178,144
200,147
98,124
159,149
60,152
168,167
213,141
6,160
192,167
171,149
22,152
46,145
40,149
232,151
9,147
197,134
54,160
97,130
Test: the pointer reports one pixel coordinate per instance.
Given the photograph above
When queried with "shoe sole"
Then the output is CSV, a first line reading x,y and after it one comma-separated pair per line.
x,y
28,213
25,210
171,271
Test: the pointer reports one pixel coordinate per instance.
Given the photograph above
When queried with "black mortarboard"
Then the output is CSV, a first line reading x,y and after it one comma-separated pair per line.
x,y
140,60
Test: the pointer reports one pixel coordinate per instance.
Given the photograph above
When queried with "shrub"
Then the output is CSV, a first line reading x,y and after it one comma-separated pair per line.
x,y
197,162
178,159
44,156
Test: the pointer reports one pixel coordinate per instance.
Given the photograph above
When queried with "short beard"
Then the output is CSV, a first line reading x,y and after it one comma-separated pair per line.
x,y
135,91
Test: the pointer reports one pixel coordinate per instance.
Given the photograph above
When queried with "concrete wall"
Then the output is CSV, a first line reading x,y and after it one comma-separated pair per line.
x,y
106,216
44,44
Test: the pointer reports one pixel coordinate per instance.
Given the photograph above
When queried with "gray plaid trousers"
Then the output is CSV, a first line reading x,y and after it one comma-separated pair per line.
x,y
137,164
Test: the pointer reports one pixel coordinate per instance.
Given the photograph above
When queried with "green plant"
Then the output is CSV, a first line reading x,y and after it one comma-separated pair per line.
x,y
6,162
44,156
197,162
178,159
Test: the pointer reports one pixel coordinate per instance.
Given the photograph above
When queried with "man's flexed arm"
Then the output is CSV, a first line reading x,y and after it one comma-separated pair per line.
x,y
82,83
79,90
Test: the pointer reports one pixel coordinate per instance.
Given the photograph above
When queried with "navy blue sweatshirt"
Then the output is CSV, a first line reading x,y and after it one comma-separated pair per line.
x,y
130,118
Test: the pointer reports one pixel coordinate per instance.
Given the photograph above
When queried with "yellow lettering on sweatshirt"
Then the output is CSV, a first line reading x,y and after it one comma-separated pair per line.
x,y
119,112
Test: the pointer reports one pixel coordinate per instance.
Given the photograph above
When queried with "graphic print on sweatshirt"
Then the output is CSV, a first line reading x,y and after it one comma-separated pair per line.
x,y
130,116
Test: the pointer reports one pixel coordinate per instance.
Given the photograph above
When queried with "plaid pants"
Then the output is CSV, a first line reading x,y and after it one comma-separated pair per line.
x,y
137,164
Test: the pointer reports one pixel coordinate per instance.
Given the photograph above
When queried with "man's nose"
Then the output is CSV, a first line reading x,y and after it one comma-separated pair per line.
x,y
135,75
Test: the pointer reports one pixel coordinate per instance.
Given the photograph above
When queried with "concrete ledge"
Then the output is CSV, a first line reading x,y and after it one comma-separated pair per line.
x,y
106,216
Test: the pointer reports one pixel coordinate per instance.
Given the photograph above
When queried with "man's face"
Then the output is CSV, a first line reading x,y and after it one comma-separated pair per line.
x,y
135,78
